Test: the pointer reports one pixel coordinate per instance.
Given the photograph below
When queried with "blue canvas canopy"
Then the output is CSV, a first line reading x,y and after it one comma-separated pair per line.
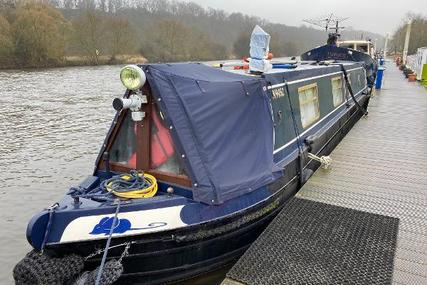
x,y
222,123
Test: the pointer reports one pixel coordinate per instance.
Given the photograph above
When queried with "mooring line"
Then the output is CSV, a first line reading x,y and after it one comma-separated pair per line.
x,y
104,256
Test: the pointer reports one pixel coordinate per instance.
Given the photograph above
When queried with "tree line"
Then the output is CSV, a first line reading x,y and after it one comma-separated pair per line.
x,y
418,36
36,34
57,32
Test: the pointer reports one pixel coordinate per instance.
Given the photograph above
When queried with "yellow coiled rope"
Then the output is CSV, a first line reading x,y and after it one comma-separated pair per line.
x,y
132,186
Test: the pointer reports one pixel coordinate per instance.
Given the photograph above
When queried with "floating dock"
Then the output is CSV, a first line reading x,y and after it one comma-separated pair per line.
x,y
379,169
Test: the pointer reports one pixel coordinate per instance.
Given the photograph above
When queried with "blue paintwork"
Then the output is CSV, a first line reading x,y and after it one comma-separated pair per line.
x,y
123,225
196,213
284,65
36,229
284,156
105,224
192,212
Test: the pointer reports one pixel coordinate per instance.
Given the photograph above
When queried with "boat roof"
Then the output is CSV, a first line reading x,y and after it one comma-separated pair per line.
x,y
355,42
302,70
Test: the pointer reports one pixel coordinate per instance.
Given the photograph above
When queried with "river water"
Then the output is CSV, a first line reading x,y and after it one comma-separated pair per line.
x,y
52,124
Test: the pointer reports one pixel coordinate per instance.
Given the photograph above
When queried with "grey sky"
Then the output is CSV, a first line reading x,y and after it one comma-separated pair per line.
x,y
380,16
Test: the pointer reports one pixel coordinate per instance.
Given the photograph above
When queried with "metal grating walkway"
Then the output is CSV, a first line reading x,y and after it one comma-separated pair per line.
x,y
317,243
381,167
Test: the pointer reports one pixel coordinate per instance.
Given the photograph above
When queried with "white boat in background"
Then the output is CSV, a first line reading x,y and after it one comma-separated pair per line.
x,y
364,46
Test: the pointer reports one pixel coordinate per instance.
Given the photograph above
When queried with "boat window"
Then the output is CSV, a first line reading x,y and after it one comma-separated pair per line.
x,y
163,156
337,90
309,104
346,45
359,80
123,150
362,47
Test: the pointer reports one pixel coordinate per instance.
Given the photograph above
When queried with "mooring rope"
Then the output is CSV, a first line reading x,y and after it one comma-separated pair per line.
x,y
107,246
134,185
350,90
51,210
298,137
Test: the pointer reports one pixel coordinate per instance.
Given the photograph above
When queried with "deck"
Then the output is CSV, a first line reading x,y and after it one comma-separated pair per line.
x,y
381,167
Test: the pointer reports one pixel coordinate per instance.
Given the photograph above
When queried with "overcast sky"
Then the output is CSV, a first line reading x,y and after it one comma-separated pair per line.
x,y
380,16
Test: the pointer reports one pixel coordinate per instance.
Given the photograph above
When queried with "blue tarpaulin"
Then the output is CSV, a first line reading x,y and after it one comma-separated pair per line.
x,y
222,122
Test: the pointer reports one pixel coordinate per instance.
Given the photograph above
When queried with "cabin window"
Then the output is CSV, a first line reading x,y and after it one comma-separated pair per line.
x,y
123,150
163,156
359,80
147,146
346,45
362,48
309,104
337,91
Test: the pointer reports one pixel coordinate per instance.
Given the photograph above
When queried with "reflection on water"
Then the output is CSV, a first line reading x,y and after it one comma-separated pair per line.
x,y
52,123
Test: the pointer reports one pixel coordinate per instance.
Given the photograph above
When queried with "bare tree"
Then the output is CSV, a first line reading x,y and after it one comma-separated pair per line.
x,y
6,41
90,34
418,34
171,40
121,38
69,4
7,4
103,5
39,35
241,45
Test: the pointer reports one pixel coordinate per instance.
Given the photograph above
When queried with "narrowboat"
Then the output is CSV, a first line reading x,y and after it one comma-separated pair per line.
x,y
198,161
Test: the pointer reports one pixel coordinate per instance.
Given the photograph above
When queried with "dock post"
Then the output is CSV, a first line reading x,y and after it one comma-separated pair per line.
x,y
385,47
405,48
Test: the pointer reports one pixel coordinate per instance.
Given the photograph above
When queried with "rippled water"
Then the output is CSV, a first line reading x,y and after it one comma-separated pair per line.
x,y
52,123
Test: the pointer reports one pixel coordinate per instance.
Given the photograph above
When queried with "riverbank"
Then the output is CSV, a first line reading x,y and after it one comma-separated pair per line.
x,y
75,60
